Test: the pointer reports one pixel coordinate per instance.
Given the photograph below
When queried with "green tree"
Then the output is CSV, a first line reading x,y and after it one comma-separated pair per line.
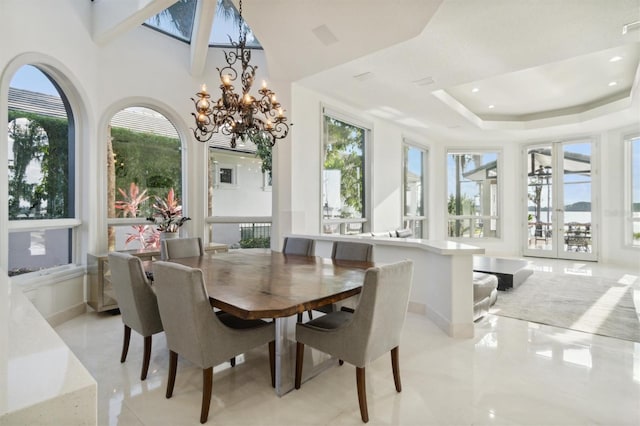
x,y
46,140
344,151
150,161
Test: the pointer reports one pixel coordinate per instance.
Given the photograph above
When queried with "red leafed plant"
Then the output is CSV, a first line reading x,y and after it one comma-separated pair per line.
x,y
132,201
130,207
168,213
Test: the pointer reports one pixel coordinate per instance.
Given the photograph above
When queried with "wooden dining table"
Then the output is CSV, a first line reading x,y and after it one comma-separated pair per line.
x,y
262,284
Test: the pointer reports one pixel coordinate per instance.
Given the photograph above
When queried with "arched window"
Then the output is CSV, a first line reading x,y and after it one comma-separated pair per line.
x,y
41,151
144,162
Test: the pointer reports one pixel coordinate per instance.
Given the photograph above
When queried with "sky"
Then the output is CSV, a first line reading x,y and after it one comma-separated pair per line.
x,y
30,78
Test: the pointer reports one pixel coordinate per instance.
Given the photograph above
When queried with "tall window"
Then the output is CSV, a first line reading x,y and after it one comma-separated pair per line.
x,y
634,198
472,188
343,177
415,185
41,173
144,162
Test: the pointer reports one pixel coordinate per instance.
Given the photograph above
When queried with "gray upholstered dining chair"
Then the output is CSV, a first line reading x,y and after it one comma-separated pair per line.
x,y
198,334
185,247
182,247
348,250
373,329
137,303
298,246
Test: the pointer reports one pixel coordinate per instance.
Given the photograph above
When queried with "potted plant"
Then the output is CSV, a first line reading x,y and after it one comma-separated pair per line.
x,y
168,214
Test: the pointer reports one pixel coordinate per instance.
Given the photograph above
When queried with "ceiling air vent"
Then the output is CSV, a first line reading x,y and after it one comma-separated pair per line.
x,y
424,81
364,76
325,35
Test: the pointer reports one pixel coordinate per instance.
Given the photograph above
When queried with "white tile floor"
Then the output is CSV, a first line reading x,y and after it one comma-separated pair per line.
x,y
511,373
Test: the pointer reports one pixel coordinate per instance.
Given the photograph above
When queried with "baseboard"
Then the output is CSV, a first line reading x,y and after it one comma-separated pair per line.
x,y
417,308
64,316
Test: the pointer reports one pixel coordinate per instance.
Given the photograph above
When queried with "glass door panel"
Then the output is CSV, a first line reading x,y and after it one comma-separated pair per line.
x,y
540,201
577,198
559,199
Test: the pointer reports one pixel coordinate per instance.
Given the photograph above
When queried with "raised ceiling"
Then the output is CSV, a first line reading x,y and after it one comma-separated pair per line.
x,y
543,65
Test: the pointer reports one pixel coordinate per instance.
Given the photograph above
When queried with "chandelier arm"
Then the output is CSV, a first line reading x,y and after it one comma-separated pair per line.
x,y
239,115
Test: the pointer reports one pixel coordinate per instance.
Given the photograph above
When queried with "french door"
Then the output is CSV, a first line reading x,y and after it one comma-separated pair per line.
x,y
560,201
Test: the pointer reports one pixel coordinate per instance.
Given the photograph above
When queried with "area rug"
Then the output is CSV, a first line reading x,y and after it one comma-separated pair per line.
x,y
583,303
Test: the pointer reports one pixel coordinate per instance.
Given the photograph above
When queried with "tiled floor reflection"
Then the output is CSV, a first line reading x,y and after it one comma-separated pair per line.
x,y
511,373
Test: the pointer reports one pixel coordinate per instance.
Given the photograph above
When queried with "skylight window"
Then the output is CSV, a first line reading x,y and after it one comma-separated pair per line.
x,y
225,25
177,21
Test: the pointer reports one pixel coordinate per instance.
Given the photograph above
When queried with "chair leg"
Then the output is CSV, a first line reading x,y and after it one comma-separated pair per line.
x,y
207,386
146,358
125,343
272,362
233,361
395,366
362,394
299,319
340,362
299,360
310,314
173,366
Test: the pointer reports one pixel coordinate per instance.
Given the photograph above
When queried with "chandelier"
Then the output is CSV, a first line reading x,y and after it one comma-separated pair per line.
x,y
241,116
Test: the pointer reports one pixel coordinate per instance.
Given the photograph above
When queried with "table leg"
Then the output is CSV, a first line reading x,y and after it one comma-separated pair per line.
x,y
284,377
285,357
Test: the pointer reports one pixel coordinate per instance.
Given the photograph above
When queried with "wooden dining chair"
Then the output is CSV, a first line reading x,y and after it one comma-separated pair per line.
x,y
182,247
198,334
137,303
373,329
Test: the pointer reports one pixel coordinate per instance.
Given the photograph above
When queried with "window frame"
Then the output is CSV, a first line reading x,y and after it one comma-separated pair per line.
x,y
74,223
499,199
628,193
366,219
409,221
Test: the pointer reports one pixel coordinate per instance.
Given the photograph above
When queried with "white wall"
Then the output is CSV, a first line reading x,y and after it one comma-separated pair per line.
x,y
385,149
387,180
248,197
141,67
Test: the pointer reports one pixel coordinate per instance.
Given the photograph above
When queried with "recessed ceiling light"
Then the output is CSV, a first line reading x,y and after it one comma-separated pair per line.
x,y
492,106
613,83
615,59
475,90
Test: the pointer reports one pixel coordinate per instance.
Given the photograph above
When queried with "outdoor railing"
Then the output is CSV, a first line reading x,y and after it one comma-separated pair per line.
x,y
240,231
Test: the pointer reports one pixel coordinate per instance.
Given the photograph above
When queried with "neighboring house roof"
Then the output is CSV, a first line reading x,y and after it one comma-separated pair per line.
x,y
143,120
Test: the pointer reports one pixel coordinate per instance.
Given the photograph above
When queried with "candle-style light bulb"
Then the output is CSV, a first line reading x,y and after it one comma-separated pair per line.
x,y
280,114
226,79
264,84
204,88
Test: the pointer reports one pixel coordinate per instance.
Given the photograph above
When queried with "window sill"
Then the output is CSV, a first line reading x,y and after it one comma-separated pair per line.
x,y
48,276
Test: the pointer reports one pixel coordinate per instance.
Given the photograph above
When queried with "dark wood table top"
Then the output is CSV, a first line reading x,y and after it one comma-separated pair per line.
x,y
259,283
